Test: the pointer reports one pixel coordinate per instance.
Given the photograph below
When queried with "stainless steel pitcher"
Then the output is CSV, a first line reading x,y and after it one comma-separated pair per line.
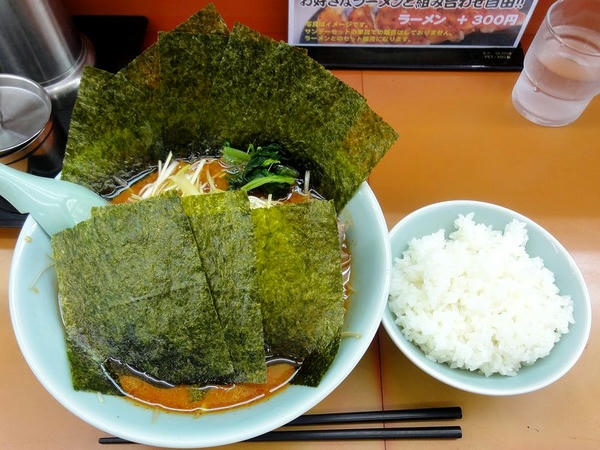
x,y
38,41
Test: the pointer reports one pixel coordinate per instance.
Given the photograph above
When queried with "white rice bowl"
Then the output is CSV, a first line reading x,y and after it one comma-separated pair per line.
x,y
477,300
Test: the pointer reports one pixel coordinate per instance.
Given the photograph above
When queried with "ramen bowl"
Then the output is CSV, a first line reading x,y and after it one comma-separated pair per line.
x,y
557,259
38,328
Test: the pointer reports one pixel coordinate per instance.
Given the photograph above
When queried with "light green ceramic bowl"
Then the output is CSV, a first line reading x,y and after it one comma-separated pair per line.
x,y
569,280
38,329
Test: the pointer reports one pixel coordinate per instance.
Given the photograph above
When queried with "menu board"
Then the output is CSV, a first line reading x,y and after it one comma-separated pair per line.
x,y
408,23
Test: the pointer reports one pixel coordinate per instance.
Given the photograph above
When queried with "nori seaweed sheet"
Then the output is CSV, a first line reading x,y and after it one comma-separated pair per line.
x,y
120,136
144,69
271,92
188,64
350,162
117,137
222,225
325,125
83,124
244,88
85,109
86,374
132,288
315,365
310,105
144,73
235,97
300,279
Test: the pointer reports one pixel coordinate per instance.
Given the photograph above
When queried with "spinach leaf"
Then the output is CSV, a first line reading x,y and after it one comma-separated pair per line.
x,y
260,169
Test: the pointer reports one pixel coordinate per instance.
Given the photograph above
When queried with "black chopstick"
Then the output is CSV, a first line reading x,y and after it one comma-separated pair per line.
x,y
447,432
364,433
399,415
114,440
342,435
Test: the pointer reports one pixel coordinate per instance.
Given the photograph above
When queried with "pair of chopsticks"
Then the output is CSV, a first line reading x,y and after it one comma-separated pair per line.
x,y
406,415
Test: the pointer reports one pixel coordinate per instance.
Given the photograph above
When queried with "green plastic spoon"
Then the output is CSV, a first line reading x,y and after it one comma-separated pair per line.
x,y
54,204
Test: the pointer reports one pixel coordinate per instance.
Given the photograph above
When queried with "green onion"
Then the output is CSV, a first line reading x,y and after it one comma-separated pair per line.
x,y
184,184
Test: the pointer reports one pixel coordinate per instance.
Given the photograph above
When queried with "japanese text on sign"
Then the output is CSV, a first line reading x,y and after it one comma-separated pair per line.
x,y
445,23
417,4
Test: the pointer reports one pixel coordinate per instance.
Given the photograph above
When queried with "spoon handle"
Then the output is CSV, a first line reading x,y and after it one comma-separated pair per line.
x,y
54,204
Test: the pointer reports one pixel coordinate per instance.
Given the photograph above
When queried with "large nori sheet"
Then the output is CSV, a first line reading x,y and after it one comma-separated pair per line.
x,y
235,96
325,125
144,69
121,135
85,109
271,92
307,99
85,364
300,278
350,162
188,64
84,125
222,225
116,137
132,288
144,73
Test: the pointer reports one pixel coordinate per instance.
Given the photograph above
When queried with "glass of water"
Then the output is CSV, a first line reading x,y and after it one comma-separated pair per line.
x,y
561,73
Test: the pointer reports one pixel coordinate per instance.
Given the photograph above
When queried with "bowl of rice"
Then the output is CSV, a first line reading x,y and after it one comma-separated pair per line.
x,y
484,299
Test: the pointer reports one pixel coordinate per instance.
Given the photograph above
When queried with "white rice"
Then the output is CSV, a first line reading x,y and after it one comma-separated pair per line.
x,y
478,301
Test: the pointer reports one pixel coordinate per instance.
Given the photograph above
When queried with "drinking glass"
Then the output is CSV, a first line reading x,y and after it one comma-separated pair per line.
x,y
561,72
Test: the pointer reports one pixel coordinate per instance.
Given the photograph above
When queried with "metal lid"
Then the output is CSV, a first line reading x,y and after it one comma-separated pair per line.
x,y
25,109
